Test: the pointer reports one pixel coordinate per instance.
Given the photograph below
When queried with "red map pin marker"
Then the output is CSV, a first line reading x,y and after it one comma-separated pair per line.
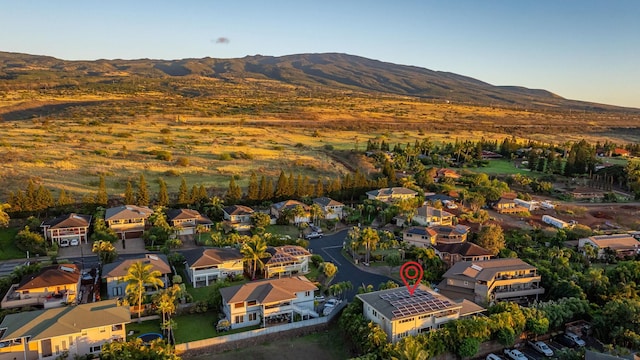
x,y
411,271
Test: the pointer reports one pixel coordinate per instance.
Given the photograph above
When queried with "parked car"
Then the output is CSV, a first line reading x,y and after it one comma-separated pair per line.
x,y
223,325
570,339
541,347
319,298
316,229
329,306
64,243
74,242
514,354
313,235
493,357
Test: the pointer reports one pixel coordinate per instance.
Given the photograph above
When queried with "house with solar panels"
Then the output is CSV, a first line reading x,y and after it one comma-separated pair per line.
x,y
287,260
401,314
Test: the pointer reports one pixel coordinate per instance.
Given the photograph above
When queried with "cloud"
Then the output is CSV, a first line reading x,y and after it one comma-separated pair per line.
x,y
222,40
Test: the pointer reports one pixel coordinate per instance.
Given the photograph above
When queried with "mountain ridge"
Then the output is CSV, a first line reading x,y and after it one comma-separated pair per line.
x,y
336,71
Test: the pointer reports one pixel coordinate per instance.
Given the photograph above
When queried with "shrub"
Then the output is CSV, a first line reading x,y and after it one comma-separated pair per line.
x,y
224,157
165,131
328,147
172,172
182,161
163,155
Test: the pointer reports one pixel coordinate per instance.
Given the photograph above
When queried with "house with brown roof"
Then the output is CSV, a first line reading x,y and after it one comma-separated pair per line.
x,y
237,217
128,221
393,194
428,216
486,281
52,286
445,173
585,192
278,209
508,205
74,330
113,274
208,265
419,236
63,229
621,244
332,209
456,252
287,260
400,314
268,302
187,220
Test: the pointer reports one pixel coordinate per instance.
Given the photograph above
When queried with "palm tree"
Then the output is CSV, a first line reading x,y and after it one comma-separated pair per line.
x,y
139,275
253,251
199,230
315,210
410,349
369,238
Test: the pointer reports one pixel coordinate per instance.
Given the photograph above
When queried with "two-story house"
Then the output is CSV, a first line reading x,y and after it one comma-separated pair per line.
x,y
508,205
419,236
332,209
401,314
238,217
128,221
466,251
53,286
76,330
187,220
619,244
393,194
279,209
63,229
268,302
287,260
487,281
447,234
207,265
113,274
429,216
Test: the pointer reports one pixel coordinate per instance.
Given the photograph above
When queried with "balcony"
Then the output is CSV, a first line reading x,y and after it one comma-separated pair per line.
x,y
46,300
275,310
519,291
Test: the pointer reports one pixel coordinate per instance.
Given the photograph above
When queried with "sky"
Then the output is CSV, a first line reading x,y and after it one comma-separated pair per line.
x,y
579,49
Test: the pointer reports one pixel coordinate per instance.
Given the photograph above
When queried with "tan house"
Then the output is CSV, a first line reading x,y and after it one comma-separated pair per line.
x,y
621,244
52,286
444,173
508,205
128,221
466,251
492,280
448,234
401,314
287,260
238,217
392,194
63,229
279,208
76,330
419,236
268,302
187,220
332,209
428,216
113,274
208,265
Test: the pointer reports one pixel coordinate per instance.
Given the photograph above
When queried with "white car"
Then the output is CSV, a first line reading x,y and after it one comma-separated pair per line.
x,y
74,242
542,348
575,339
64,243
514,354
329,306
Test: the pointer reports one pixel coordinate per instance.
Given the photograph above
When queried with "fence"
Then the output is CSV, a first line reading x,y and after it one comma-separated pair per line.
x,y
237,340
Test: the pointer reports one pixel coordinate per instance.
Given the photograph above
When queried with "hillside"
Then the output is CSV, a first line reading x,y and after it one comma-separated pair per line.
x,y
327,73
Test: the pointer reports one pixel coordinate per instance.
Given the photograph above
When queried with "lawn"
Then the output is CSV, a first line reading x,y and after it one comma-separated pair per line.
x,y
8,249
193,327
504,167
290,230
149,326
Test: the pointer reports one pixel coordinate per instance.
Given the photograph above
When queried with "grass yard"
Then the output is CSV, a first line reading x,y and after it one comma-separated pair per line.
x,y
149,326
503,167
325,345
8,249
290,230
193,327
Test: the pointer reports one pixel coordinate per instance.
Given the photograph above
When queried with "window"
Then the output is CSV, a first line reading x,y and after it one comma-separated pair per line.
x,y
117,327
84,333
307,293
374,312
117,291
238,305
96,348
253,317
102,329
466,282
252,303
406,320
64,345
239,319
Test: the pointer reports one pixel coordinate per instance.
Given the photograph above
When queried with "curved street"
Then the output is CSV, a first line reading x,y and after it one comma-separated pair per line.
x,y
330,247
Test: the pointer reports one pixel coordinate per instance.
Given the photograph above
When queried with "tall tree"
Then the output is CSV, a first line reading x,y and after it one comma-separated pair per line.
x,y
253,191
234,193
64,199
129,197
142,196
265,193
139,276
30,196
44,199
105,250
102,197
282,186
319,188
183,193
369,239
491,237
253,251
4,217
163,195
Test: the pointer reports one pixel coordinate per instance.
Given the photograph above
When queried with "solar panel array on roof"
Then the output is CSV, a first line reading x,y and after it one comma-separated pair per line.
x,y
407,305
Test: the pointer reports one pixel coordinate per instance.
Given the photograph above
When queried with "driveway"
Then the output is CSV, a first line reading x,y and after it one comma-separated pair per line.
x,y
329,247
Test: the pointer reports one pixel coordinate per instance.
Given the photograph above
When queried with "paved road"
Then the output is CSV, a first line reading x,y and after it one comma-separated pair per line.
x,y
329,247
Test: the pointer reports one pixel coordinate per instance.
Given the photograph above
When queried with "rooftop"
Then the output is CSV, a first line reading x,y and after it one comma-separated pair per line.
x,y
199,257
267,291
120,267
486,270
68,221
124,212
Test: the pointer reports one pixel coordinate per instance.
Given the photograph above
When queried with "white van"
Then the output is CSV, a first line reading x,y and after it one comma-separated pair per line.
x,y
493,357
